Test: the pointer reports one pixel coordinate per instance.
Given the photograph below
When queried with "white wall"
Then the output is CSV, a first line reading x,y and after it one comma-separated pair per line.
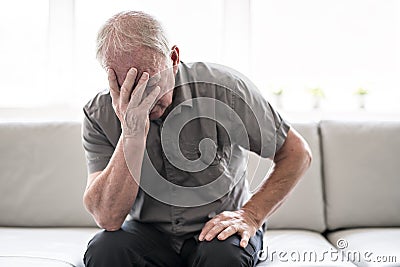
x,y
48,58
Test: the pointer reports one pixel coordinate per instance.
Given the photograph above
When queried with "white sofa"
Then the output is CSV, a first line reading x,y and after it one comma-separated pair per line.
x,y
348,203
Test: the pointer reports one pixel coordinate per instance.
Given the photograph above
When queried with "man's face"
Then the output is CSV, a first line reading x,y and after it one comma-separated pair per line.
x,y
161,74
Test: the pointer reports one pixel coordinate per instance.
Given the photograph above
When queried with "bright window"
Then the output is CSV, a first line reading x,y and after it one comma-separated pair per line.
x,y
288,46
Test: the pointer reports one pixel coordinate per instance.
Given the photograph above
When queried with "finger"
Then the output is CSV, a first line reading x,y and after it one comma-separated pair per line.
x,y
216,230
245,239
127,86
137,93
227,232
112,82
207,227
150,100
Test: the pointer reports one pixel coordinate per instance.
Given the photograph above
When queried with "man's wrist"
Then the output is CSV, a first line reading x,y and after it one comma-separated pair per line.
x,y
253,216
138,132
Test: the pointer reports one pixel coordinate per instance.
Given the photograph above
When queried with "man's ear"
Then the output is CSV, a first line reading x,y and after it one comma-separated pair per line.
x,y
175,58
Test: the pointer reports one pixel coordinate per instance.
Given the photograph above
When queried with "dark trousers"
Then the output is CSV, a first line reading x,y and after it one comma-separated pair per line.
x,y
146,246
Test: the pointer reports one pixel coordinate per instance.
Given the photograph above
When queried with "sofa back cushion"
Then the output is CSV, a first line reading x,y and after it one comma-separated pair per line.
x,y
304,208
42,175
362,173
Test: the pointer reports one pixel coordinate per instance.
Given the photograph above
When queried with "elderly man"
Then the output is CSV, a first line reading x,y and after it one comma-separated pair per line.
x,y
167,148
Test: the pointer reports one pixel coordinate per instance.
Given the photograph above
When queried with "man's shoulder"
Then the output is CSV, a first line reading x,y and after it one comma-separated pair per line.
x,y
211,72
219,75
101,101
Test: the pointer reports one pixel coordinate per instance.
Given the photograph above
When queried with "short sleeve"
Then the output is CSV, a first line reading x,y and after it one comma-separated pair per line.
x,y
266,130
98,149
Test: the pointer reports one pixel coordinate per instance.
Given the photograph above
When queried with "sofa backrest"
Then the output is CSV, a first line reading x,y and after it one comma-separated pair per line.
x,y
362,173
42,175
304,208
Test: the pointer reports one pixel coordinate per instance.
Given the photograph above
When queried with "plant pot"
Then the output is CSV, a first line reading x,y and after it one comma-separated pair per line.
x,y
361,101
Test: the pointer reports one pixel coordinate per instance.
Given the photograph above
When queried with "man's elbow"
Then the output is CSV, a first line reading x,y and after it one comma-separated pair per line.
x,y
106,222
304,153
297,148
108,226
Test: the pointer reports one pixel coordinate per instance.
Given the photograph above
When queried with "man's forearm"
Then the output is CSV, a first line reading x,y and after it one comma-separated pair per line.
x,y
291,162
110,196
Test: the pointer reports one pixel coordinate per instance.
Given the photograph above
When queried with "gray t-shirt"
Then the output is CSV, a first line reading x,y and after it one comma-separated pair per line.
x,y
196,154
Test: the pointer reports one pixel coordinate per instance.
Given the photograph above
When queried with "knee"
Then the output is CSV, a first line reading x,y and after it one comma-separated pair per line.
x,y
222,253
105,247
105,242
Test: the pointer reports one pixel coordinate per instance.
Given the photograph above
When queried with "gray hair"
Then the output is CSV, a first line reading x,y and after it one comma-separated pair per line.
x,y
129,30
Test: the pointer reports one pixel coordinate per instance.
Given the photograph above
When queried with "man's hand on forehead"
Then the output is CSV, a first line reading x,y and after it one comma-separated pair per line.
x,y
129,102
162,79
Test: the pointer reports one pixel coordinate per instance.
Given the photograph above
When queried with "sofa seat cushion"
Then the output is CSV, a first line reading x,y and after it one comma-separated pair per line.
x,y
298,248
62,246
374,246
